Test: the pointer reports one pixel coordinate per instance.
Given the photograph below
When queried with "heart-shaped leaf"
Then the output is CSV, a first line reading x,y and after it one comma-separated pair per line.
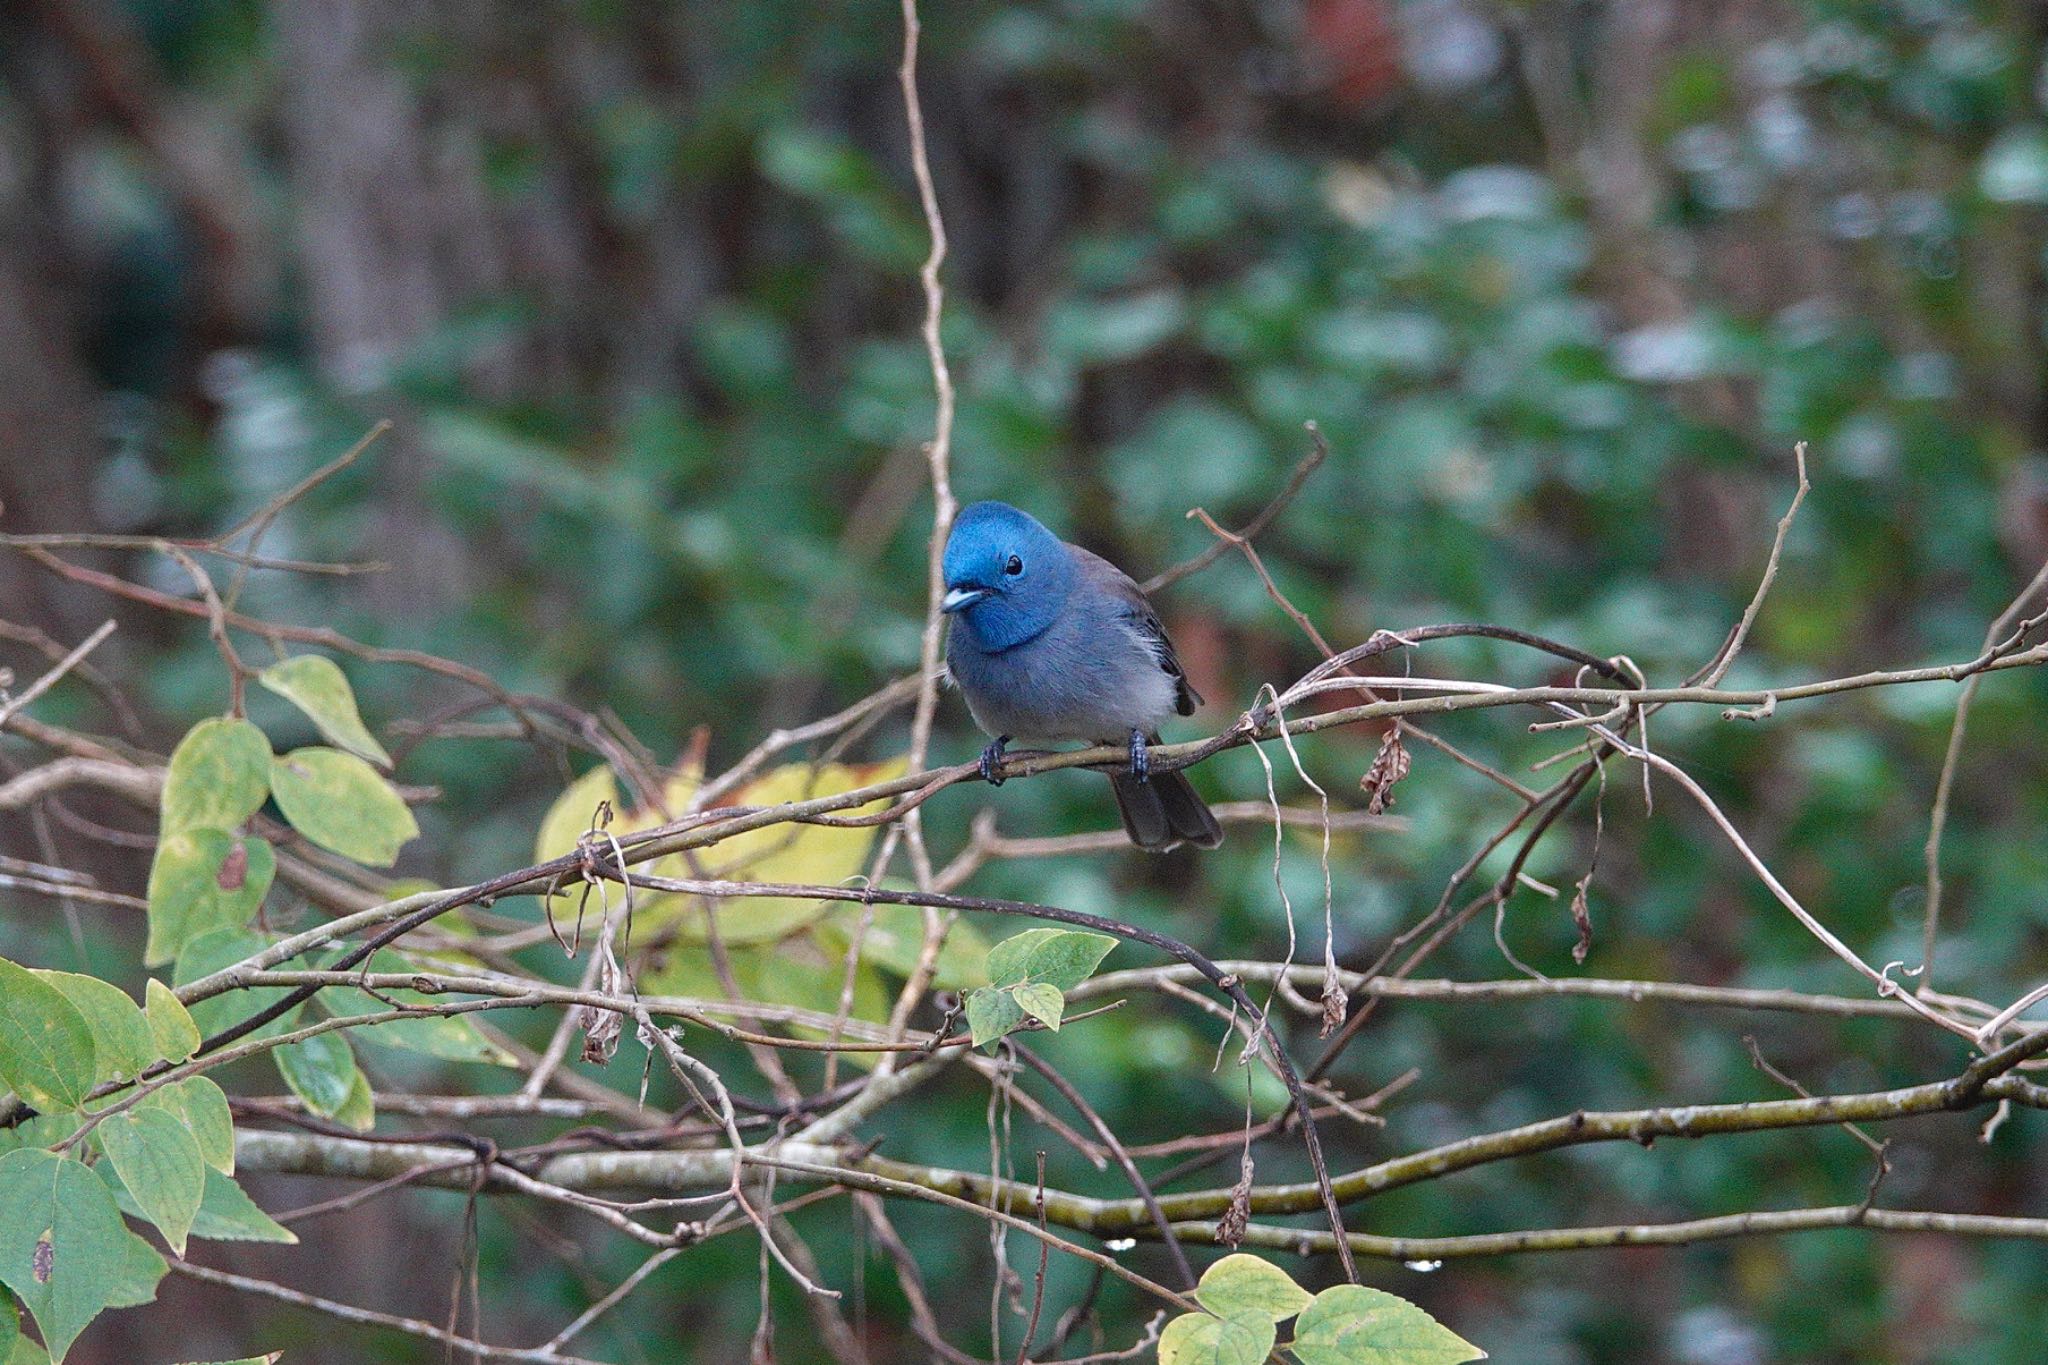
x,y
1246,1284
64,1250
1042,1002
1350,1324
1062,958
991,1013
122,1044
202,1107
1199,1339
46,1047
158,1160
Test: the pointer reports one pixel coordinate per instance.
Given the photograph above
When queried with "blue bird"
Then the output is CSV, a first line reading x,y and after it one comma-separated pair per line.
x,y
1051,642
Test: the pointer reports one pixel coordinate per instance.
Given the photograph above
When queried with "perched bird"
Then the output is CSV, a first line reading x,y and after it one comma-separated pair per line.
x,y
1051,642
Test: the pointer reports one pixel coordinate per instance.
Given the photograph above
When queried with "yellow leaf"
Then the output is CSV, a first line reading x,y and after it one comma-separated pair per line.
x,y
817,854
778,853
795,972
563,827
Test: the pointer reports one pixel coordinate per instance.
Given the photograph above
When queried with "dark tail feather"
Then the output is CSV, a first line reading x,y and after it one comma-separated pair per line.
x,y
1164,811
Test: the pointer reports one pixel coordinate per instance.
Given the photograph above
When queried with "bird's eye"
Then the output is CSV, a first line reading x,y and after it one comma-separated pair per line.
x,y
1013,566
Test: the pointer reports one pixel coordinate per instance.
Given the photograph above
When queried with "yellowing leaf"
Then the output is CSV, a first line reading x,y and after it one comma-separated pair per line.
x,y
342,804
316,685
1349,1323
816,854
170,1023
121,1041
796,972
1199,1339
201,880
573,813
201,1107
218,776
1246,1284
46,1046
779,853
158,1160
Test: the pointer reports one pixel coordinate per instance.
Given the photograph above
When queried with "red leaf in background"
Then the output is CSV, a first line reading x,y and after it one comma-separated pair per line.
x,y
1352,51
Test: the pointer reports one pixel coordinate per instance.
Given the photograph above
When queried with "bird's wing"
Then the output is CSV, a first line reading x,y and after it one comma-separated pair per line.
x,y
1144,622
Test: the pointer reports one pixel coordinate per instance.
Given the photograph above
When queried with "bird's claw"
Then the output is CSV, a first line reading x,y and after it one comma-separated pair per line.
x,y
991,758
1141,761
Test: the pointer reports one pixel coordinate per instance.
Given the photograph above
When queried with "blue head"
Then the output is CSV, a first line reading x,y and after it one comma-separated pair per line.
x,y
1007,577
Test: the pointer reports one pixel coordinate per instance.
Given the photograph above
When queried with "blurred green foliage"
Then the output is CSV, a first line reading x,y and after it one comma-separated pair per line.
x,y
1551,402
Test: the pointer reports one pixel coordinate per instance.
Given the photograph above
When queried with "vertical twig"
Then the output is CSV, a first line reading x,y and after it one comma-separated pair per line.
x,y
939,453
939,457
1937,820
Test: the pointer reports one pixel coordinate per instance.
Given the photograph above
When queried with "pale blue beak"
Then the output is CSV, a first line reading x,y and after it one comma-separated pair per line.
x,y
959,599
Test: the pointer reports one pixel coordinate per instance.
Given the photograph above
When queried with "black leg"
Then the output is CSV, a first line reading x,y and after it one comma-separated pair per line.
x,y
1141,762
990,757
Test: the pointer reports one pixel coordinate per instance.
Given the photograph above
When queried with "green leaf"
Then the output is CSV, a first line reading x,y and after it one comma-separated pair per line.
x,y
316,685
202,880
122,1044
64,1250
170,1023
795,971
218,777
226,1213
321,1070
1042,1002
26,1352
1246,1284
1199,1339
342,804
158,1160
449,1036
359,1108
1353,1325
39,1130
46,1048
895,940
991,1013
214,951
202,1108
1006,961
10,1327
1062,958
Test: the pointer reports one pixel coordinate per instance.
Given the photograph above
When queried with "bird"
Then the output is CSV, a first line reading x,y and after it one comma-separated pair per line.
x,y
1048,641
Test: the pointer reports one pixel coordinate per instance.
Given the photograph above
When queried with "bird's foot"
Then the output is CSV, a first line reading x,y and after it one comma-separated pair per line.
x,y
1141,761
991,757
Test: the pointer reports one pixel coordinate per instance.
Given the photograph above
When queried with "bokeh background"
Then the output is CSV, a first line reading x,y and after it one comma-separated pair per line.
x,y
1562,282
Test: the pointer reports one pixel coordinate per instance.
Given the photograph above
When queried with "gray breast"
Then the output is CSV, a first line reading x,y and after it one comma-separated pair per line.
x,y
1074,682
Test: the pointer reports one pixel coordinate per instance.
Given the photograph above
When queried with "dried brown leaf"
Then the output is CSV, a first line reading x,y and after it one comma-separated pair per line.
x,y
1389,766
